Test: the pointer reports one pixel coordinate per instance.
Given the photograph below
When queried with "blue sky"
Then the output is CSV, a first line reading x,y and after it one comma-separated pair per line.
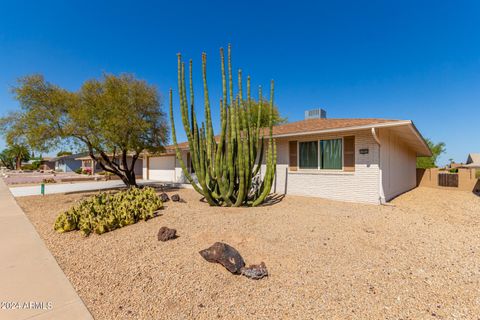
x,y
417,60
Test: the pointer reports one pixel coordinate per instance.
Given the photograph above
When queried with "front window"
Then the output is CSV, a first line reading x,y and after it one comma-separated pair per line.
x,y
331,154
322,154
308,155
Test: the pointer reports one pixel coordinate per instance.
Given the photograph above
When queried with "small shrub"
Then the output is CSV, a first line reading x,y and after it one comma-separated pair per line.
x,y
29,167
78,171
454,170
49,180
105,173
87,171
108,211
477,174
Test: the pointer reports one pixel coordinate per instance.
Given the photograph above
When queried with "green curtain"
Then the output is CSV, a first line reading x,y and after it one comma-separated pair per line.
x,y
308,155
331,154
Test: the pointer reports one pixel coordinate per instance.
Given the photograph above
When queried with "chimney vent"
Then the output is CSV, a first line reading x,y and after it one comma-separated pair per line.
x,y
315,114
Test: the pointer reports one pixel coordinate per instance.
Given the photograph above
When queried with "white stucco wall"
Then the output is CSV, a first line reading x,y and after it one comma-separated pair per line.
x,y
397,163
176,175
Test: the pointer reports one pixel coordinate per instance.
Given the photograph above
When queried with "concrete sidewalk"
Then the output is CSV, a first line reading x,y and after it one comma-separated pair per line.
x,y
32,285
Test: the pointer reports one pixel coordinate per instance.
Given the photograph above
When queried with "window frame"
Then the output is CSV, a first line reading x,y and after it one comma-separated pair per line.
x,y
319,155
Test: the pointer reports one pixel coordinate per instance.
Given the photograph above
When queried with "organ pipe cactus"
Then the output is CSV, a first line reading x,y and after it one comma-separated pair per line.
x,y
227,166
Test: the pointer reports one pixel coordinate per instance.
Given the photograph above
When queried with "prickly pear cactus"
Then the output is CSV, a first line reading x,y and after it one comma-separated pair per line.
x,y
108,211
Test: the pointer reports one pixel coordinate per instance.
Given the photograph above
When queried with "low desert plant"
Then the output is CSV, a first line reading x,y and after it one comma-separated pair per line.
x,y
29,167
78,171
49,180
105,173
108,211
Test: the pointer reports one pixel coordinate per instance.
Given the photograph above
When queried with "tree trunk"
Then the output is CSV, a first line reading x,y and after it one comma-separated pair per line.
x,y
18,163
126,174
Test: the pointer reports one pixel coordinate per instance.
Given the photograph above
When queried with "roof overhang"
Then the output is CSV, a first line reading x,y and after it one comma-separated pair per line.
x,y
405,129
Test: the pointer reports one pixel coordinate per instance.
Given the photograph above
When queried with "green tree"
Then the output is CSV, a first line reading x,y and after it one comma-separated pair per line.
x,y
64,153
431,162
112,118
13,156
7,160
264,116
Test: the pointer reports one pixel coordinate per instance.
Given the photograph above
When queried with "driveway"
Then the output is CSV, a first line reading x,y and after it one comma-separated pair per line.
x,y
74,187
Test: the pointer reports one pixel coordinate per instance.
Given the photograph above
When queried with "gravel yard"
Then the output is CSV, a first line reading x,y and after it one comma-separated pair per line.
x,y
418,258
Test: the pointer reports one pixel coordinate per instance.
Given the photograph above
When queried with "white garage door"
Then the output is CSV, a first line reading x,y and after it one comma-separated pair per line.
x,y
162,168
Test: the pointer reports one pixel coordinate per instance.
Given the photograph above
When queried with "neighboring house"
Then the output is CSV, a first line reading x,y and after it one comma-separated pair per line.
x,y
47,164
473,161
359,160
87,163
68,163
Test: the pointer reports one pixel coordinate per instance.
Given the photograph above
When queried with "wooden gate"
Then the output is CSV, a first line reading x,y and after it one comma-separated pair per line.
x,y
448,180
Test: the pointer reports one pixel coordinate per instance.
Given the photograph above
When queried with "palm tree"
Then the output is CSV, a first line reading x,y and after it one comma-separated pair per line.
x,y
20,153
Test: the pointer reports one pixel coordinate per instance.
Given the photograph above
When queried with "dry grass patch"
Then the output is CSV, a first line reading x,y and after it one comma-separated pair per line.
x,y
326,259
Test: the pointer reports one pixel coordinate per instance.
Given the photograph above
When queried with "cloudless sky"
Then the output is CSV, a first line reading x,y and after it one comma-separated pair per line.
x,y
417,60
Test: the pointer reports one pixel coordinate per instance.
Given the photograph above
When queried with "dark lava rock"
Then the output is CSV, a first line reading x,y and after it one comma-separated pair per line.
x,y
224,254
175,198
255,271
164,197
165,234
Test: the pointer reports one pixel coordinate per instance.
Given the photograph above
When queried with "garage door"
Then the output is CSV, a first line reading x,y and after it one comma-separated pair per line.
x,y
162,168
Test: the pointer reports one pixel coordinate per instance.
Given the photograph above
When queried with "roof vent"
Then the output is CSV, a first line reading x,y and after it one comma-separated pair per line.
x,y
315,114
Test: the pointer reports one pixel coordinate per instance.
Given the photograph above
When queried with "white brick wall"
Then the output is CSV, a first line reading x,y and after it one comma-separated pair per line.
x,y
359,186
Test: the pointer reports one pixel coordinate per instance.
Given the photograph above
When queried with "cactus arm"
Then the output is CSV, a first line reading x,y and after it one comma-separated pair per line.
x,y
230,81
241,156
260,157
269,175
208,118
177,150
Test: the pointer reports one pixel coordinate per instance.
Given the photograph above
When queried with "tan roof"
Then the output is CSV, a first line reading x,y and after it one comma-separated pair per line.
x,y
311,126
473,158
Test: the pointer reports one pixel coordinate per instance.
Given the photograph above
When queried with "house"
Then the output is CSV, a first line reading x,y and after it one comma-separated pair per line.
x,y
358,160
473,161
68,163
47,164
88,164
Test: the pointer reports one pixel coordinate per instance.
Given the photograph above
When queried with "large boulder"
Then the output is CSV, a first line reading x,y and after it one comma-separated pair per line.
x,y
165,234
224,254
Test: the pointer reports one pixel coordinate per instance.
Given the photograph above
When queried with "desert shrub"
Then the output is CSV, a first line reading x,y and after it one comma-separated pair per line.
x,y
108,211
78,171
29,166
49,180
453,170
